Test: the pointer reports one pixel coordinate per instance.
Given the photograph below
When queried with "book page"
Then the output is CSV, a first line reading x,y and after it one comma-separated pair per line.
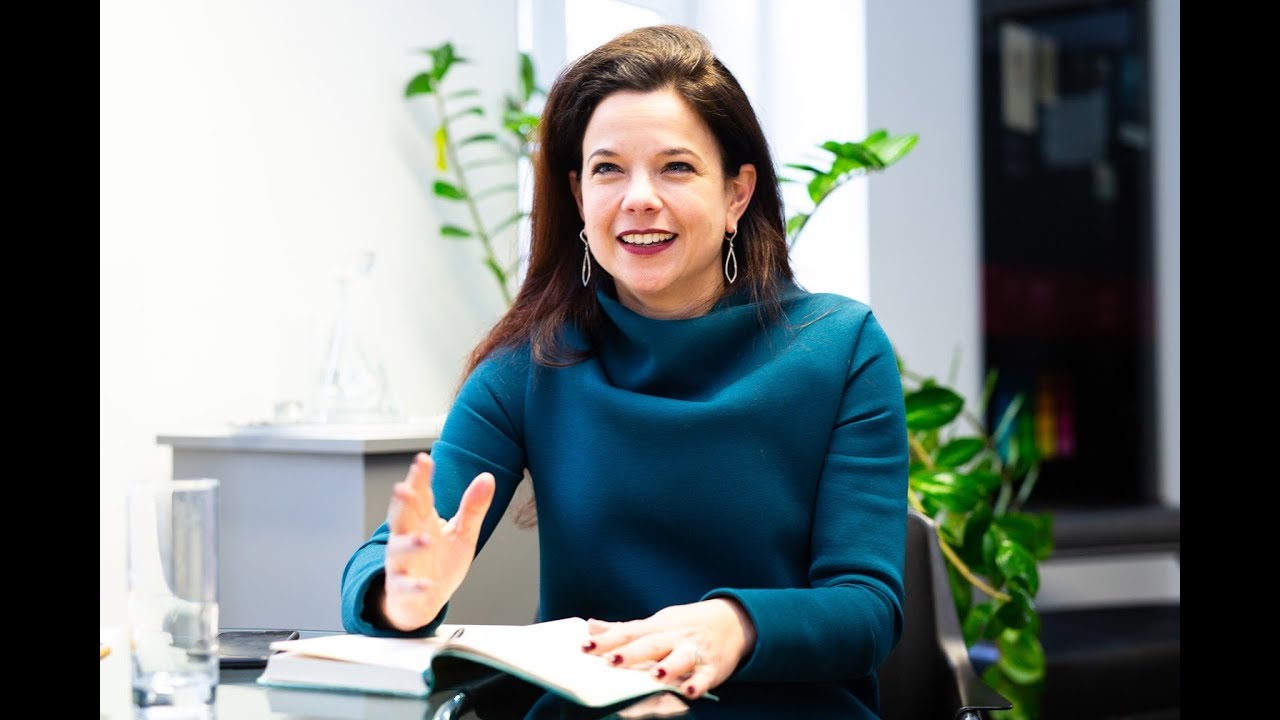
x,y
410,654
550,654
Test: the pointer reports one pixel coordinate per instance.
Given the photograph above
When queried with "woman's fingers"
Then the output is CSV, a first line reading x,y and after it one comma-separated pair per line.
x,y
642,649
412,506
705,676
473,508
668,658
607,636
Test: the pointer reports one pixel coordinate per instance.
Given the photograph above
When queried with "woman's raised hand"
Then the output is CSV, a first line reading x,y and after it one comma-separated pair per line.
x,y
427,557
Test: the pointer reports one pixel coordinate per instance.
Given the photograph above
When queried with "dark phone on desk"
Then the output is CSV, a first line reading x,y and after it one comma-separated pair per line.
x,y
249,648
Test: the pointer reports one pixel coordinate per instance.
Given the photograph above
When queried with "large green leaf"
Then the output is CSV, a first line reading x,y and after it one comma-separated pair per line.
x,y
1017,611
948,489
975,623
1021,656
1028,531
858,153
892,149
1018,565
819,186
975,528
959,451
985,479
991,540
932,407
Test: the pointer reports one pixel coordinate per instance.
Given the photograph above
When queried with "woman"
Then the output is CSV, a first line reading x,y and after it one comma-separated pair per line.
x,y
719,457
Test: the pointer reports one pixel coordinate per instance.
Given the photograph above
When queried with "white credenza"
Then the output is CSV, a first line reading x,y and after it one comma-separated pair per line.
x,y
296,501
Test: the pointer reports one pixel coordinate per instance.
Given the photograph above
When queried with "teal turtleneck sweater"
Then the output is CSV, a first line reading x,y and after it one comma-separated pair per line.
x,y
700,458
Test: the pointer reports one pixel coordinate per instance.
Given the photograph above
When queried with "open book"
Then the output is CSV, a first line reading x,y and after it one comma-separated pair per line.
x,y
546,654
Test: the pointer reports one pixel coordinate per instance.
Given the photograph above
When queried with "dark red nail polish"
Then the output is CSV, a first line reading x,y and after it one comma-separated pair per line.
x,y
690,690
660,672
589,645
616,659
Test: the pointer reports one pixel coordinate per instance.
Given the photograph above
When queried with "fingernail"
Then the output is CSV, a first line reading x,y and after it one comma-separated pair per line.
x,y
589,645
616,659
659,673
690,690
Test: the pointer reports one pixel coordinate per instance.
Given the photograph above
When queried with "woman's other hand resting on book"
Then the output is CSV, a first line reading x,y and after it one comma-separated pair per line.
x,y
427,557
695,646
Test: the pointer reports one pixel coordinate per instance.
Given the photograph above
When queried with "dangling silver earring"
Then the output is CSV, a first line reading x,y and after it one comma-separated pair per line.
x,y
586,257
731,259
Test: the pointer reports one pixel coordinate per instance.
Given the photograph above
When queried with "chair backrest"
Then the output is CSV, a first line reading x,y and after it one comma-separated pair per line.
x,y
914,681
928,675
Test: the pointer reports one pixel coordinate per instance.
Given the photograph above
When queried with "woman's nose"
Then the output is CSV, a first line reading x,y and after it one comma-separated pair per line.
x,y
641,195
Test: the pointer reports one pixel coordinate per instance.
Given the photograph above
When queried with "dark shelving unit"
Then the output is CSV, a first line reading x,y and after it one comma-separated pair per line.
x,y
1067,265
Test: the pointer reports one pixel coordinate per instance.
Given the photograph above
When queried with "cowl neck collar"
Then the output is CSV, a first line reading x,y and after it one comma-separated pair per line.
x,y
678,358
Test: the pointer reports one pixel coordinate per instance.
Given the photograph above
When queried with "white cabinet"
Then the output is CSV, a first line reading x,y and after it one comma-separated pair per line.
x,y
296,501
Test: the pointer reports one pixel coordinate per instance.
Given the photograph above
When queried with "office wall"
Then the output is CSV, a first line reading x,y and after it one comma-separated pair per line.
x,y
925,240
248,150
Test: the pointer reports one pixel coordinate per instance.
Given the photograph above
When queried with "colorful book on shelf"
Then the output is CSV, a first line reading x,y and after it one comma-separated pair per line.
x,y
546,654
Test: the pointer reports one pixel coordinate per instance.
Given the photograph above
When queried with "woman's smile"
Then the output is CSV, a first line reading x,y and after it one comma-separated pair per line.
x,y
646,242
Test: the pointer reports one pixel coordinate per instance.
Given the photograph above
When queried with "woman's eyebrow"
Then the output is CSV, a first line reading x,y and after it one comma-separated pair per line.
x,y
669,152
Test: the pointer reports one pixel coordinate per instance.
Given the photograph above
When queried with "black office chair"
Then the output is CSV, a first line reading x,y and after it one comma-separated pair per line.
x,y
929,674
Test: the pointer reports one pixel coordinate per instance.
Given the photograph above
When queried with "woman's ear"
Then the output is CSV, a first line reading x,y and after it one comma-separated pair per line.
x,y
739,190
576,188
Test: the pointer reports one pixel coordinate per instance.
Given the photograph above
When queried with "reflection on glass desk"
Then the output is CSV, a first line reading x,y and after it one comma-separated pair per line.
x,y
240,697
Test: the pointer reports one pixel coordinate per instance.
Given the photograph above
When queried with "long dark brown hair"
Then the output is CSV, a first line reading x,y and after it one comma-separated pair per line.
x,y
552,297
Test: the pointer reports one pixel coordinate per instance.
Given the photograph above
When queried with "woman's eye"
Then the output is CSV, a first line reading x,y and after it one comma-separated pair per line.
x,y
604,168
680,167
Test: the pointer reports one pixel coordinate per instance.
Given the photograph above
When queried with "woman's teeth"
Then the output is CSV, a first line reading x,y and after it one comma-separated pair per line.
x,y
647,238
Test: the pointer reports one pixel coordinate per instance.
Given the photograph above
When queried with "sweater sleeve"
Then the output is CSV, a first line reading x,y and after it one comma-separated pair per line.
x,y
484,432
844,625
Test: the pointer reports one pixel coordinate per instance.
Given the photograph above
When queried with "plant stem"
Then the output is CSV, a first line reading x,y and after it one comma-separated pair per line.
x,y
955,559
920,452
967,573
474,210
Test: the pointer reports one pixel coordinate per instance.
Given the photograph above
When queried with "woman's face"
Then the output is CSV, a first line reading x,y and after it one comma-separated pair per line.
x,y
656,203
